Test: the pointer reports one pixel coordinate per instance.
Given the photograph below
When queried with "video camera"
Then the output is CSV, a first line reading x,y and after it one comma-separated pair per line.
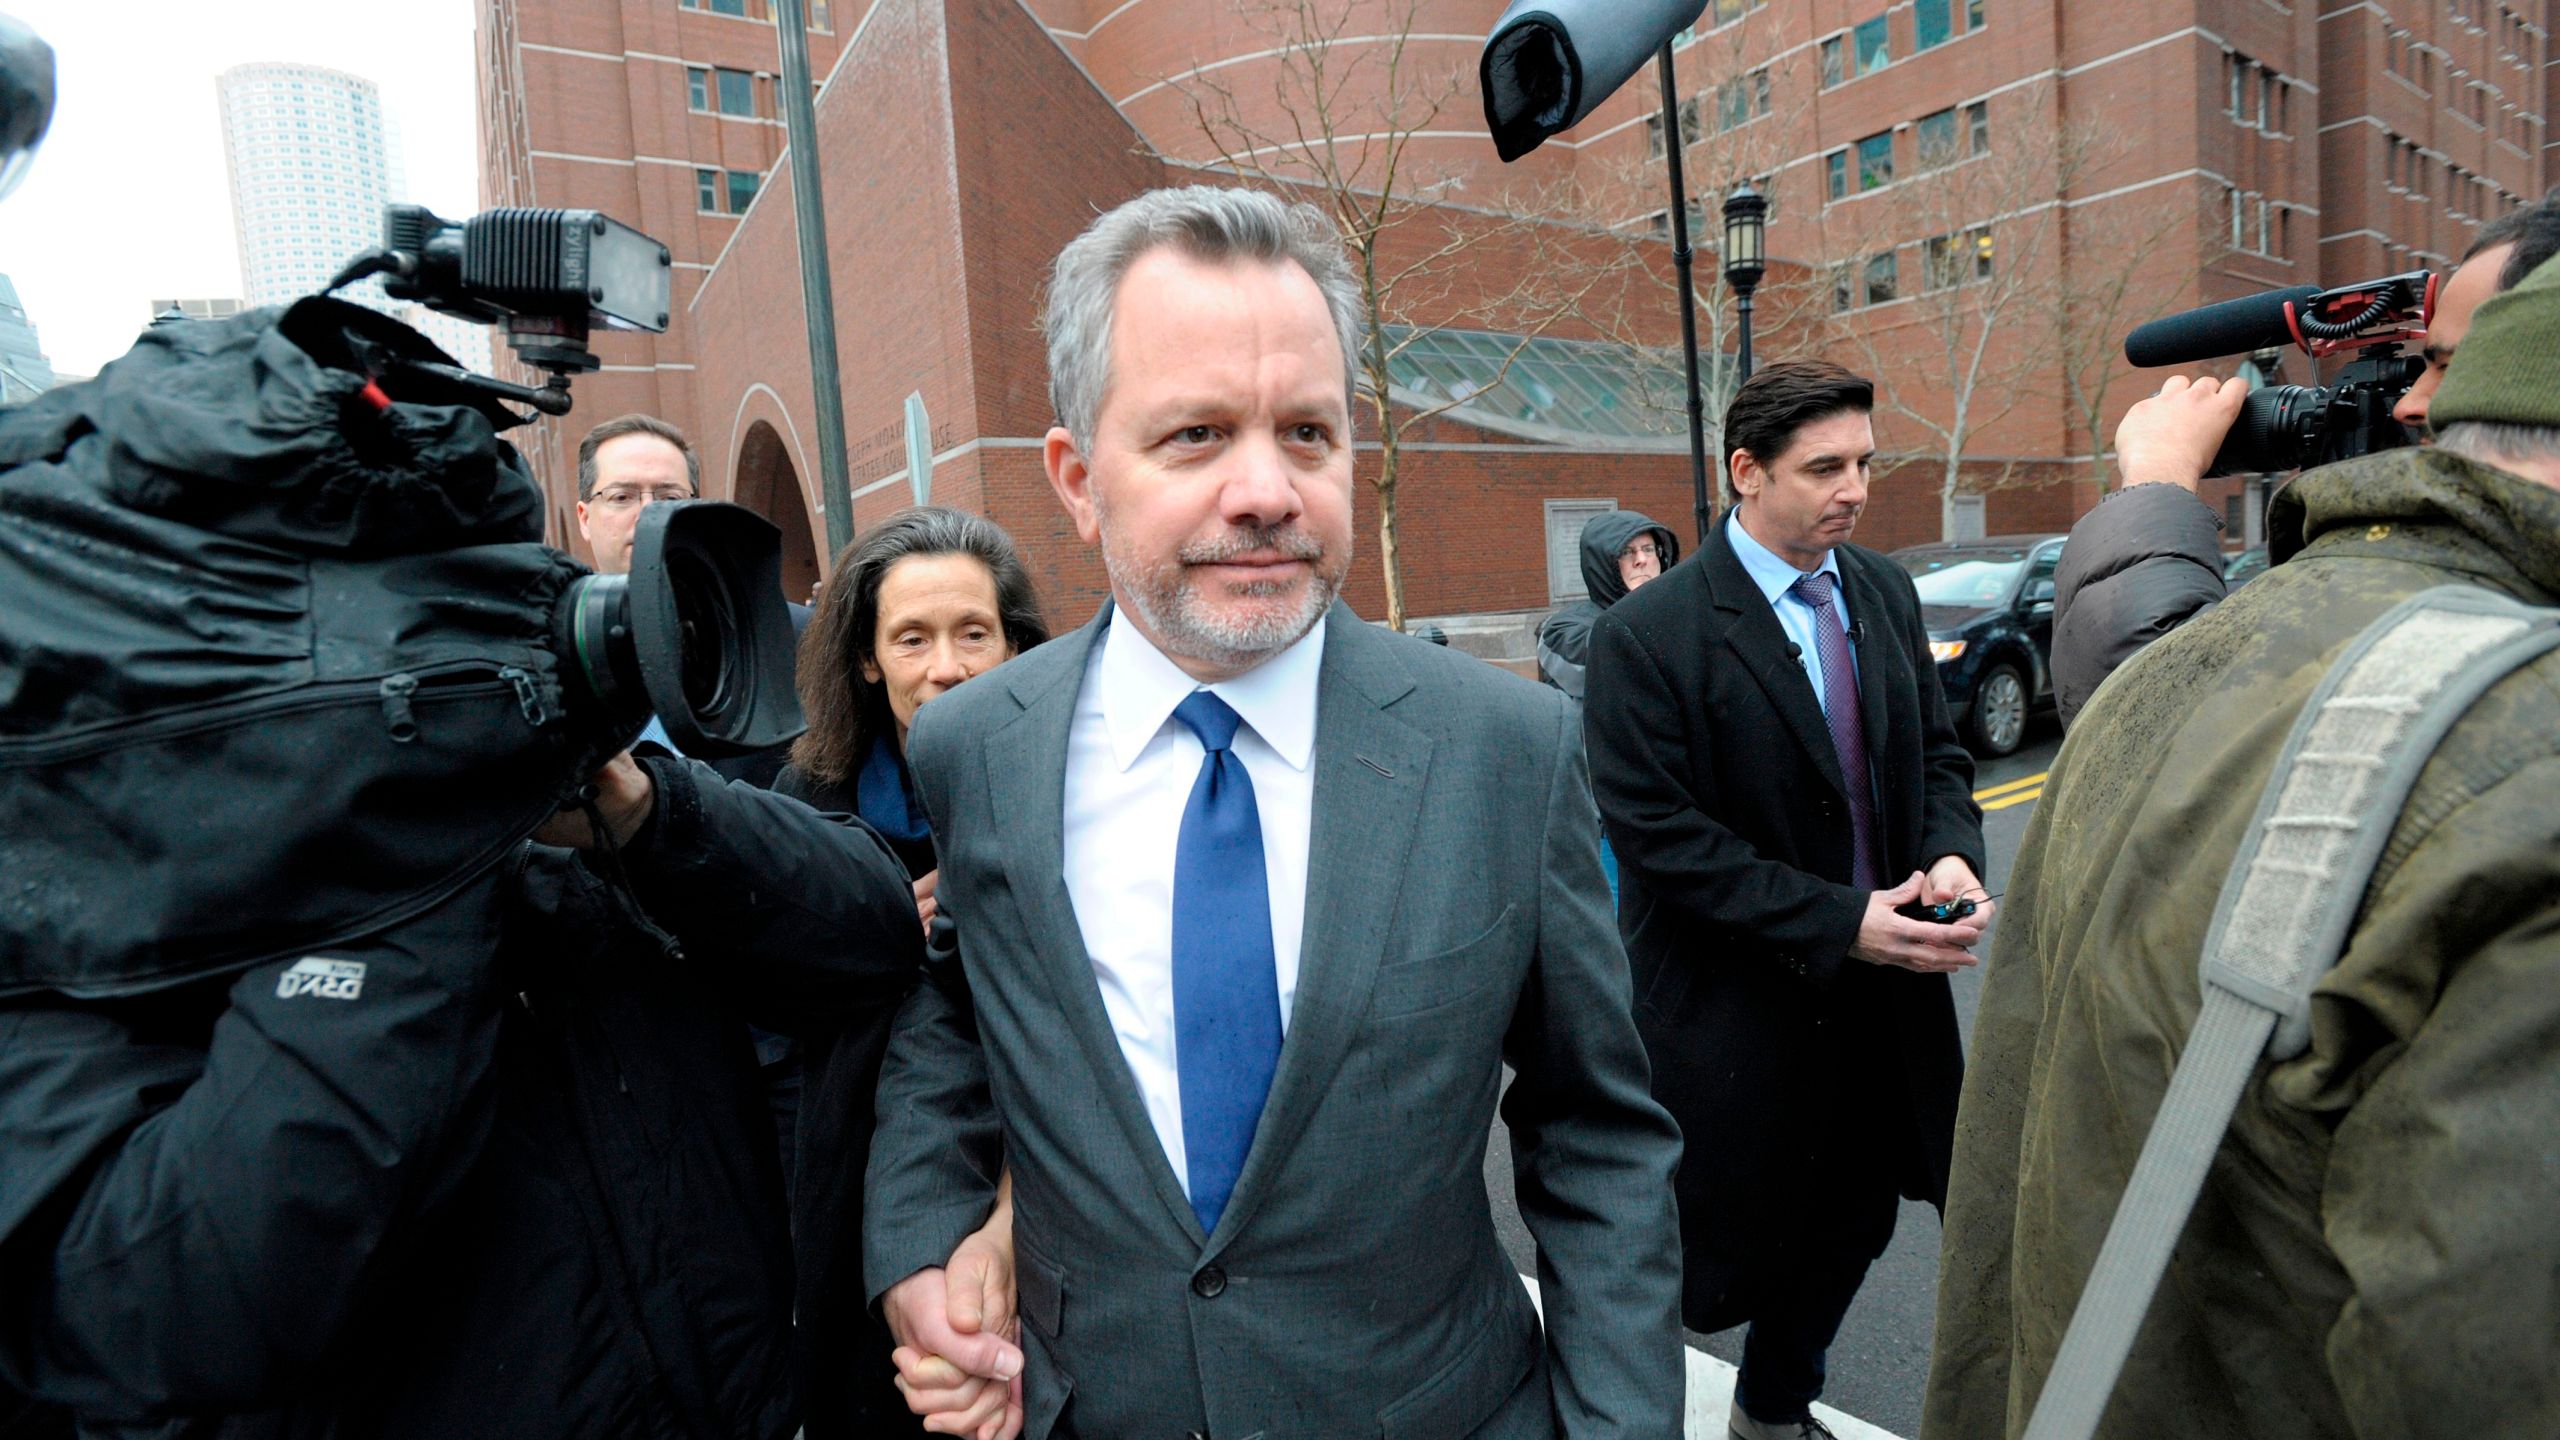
x,y
2297,427
286,660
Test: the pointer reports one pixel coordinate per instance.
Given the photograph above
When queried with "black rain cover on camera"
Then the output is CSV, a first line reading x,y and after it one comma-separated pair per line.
x,y
274,658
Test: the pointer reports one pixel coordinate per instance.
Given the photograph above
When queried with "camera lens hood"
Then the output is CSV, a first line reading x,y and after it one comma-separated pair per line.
x,y
710,638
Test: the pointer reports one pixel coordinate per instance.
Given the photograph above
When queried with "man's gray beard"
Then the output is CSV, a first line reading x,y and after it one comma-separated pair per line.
x,y
1167,598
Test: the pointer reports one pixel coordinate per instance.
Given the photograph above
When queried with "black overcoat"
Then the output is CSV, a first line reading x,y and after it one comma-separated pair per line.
x,y
1782,1059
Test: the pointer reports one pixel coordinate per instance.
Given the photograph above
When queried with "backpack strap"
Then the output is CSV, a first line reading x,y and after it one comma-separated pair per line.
x,y
2292,894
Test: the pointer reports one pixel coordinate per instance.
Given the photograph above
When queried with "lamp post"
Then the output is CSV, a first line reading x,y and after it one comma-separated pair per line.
x,y
1746,225
1673,144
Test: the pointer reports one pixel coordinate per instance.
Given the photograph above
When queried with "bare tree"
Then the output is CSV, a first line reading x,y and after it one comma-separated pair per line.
x,y
1953,282
1337,123
2104,295
1741,125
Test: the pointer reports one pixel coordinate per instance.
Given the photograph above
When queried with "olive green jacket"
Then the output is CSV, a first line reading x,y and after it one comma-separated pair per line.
x,y
2377,1250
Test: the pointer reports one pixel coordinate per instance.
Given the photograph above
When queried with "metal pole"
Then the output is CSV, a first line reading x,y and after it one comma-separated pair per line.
x,y
817,290
1680,265
1742,294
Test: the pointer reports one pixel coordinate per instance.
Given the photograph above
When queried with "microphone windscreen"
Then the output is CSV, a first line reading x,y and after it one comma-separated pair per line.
x,y
2234,327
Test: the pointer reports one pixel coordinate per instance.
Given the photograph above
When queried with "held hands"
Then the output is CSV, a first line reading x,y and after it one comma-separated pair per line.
x,y
955,1326
624,796
2172,436
1885,938
926,906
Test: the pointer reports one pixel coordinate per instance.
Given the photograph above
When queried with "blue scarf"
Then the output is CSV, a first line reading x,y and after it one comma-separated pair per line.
x,y
884,794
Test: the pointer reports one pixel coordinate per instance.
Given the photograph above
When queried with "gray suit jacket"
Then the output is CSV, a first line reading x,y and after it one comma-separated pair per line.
x,y
1456,918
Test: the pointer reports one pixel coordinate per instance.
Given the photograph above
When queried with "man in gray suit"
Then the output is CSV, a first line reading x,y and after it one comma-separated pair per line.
x,y
1254,900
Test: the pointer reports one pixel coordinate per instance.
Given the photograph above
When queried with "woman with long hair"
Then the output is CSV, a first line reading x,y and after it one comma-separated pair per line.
x,y
920,603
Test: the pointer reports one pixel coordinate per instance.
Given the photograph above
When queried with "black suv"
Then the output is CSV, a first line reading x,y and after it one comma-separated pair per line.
x,y
1988,605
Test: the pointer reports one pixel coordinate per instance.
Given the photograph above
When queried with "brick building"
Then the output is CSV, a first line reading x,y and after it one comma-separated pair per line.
x,y
2222,147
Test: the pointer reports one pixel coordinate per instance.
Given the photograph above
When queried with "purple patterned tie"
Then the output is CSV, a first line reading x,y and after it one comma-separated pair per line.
x,y
1848,726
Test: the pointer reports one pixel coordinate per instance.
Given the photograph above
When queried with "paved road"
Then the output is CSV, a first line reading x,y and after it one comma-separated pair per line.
x,y
1880,1363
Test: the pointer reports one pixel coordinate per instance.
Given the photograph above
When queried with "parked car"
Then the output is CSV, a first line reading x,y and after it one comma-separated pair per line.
x,y
2245,566
1988,606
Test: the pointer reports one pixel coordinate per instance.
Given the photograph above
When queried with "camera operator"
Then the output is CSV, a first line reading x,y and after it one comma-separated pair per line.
x,y
2374,1247
2149,557
501,1170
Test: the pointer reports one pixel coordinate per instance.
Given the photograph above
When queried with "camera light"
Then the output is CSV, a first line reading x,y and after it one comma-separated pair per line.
x,y
1943,651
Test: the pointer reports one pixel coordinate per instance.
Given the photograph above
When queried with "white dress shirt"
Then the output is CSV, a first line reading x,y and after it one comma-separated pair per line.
x,y
1130,769
1776,579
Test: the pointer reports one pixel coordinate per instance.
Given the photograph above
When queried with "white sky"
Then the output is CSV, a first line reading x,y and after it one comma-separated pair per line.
x,y
129,200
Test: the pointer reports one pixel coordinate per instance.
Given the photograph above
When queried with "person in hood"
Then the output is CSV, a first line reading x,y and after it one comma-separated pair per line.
x,y
1620,552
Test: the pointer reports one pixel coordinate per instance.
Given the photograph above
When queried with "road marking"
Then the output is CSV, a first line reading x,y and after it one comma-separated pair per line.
x,y
2021,798
1996,790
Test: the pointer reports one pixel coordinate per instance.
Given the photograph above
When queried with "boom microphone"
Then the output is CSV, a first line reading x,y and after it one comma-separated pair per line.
x,y
2234,327
1549,63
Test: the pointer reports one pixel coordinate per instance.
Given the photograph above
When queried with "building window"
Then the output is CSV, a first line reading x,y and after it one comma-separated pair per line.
x,y
1836,166
1977,120
1875,161
1972,15
737,92
1960,259
1690,134
1937,136
742,190
821,16
1653,137
1760,93
1884,277
1981,235
706,188
1832,74
1932,23
1875,49
1843,295
697,87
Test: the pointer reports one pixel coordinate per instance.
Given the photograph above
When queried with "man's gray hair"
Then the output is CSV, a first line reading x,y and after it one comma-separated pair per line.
x,y
2490,441
1205,222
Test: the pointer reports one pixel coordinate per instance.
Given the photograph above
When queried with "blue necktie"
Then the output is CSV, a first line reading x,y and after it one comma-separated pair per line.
x,y
1226,985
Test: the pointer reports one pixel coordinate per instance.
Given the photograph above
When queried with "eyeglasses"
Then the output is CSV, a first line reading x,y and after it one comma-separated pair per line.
x,y
623,497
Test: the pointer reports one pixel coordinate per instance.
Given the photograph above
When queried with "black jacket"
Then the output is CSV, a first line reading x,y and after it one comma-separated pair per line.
x,y
1564,641
1723,799
849,1394
2146,561
512,1176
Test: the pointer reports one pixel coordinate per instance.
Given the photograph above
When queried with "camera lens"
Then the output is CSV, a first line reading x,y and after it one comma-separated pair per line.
x,y
712,642
2278,429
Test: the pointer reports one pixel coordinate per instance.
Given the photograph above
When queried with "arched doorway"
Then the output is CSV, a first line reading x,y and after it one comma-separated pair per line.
x,y
768,484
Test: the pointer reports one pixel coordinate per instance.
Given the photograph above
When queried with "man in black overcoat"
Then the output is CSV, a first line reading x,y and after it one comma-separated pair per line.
x,y
1778,772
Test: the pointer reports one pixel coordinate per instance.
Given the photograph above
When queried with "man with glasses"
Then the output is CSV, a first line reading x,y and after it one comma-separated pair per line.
x,y
624,466
1620,551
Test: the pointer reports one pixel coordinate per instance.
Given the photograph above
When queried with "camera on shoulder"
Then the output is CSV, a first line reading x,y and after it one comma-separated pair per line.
x,y
2298,427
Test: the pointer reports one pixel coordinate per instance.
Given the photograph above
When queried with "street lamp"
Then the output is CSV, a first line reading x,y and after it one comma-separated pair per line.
x,y
1746,226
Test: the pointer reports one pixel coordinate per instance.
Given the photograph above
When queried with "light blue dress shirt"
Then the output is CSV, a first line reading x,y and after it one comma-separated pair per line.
x,y
1776,579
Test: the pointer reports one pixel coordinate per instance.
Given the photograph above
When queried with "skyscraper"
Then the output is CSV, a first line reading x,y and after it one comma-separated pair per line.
x,y
24,370
311,162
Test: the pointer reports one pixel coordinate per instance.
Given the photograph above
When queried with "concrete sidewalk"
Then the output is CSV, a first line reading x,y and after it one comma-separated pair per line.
x,y
1711,1397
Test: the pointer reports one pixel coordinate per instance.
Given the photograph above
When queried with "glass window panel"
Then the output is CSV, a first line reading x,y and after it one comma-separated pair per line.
x,y
706,184
742,190
697,87
1875,48
1831,62
1884,277
728,7
737,93
1760,92
1875,161
1978,121
1932,23
1837,166
1937,139
1973,14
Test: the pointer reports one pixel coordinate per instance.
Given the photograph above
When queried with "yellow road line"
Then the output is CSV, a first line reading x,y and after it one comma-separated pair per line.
x,y
1996,790
2021,798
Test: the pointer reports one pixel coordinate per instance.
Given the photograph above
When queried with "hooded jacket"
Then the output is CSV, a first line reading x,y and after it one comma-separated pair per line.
x,y
2374,1250
1564,641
